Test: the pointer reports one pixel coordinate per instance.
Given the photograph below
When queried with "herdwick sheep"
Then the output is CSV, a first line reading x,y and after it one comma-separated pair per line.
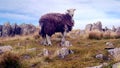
x,y
56,22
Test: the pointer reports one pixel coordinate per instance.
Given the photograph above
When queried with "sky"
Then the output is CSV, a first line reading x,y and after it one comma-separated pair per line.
x,y
87,11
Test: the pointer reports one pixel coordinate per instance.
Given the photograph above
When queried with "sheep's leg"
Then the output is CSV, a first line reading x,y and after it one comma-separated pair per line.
x,y
48,40
44,41
64,34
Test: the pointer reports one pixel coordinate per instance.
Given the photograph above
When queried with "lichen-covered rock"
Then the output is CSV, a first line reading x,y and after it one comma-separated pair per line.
x,y
16,30
113,29
118,30
6,30
114,52
27,29
66,44
97,26
45,52
5,49
64,52
109,45
88,27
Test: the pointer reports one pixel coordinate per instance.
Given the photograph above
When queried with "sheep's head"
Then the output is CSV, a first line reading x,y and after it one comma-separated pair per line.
x,y
71,12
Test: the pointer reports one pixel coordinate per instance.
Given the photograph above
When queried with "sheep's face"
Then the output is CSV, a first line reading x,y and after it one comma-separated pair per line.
x,y
71,12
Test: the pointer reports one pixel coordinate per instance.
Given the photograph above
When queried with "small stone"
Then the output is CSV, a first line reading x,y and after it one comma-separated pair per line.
x,y
109,45
26,56
99,56
45,52
5,48
64,52
66,44
32,49
99,66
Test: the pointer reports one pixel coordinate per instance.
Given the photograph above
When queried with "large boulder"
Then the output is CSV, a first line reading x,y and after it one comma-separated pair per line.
x,y
1,30
27,29
113,29
118,30
16,30
88,27
6,30
97,26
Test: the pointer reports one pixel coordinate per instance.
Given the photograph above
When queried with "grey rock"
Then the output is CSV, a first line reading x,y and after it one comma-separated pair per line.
x,y
45,52
88,27
16,30
5,49
116,65
26,56
109,45
97,26
27,29
6,30
114,52
118,31
65,44
64,52
99,66
113,29
99,56
32,49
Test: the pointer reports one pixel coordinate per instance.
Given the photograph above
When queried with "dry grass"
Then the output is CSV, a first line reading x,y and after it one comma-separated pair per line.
x,y
84,51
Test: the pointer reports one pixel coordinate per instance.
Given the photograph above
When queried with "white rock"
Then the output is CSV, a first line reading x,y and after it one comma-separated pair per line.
x,y
66,44
99,66
32,49
64,52
99,56
45,52
5,48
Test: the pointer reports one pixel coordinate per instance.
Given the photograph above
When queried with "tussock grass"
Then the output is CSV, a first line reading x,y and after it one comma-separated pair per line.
x,y
9,60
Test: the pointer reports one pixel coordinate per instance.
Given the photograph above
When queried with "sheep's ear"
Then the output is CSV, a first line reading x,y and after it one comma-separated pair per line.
x,y
74,9
68,10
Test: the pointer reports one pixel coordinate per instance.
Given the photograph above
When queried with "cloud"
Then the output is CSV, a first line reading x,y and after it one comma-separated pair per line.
x,y
88,11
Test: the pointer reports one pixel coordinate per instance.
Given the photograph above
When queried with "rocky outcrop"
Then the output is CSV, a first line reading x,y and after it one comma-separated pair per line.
x,y
95,26
16,30
7,30
113,29
27,29
88,27
118,30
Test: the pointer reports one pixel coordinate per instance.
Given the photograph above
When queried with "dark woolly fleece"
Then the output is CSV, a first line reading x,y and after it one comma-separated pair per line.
x,y
55,22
